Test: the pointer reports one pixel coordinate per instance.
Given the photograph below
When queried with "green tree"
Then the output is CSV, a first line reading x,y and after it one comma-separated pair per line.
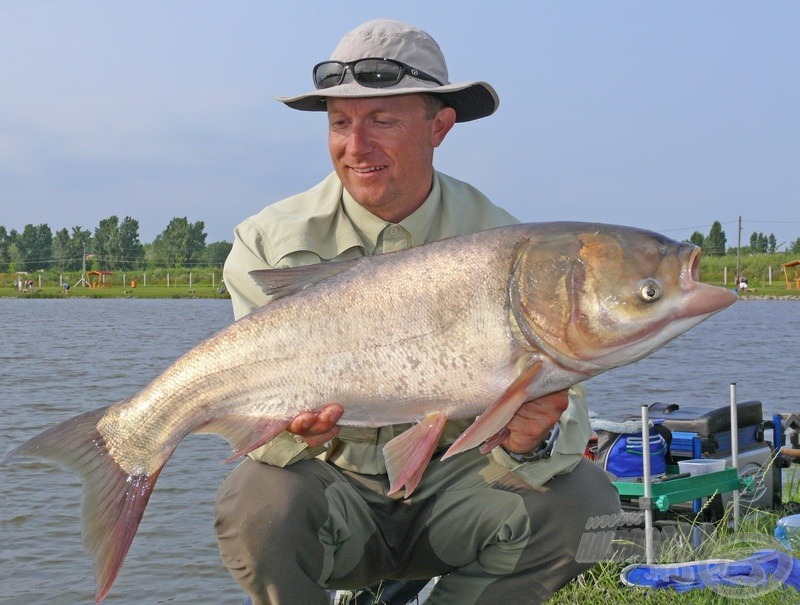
x,y
131,250
217,252
68,249
697,239
103,243
35,247
715,242
763,244
758,243
181,244
61,250
5,250
116,244
795,247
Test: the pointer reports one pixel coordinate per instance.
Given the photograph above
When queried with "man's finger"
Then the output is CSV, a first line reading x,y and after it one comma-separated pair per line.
x,y
312,424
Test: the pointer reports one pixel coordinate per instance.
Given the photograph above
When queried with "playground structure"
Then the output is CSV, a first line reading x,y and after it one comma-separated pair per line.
x,y
794,265
97,279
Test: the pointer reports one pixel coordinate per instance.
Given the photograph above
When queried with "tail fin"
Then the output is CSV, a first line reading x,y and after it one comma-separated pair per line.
x,y
113,500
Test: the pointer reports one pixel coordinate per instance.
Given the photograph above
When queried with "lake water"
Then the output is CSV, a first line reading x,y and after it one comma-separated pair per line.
x,y
63,357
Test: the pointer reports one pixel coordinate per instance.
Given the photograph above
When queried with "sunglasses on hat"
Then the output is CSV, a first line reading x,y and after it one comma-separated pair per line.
x,y
369,72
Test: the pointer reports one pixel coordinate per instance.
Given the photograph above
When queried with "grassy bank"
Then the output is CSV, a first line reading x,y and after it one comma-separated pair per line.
x,y
156,283
763,271
178,291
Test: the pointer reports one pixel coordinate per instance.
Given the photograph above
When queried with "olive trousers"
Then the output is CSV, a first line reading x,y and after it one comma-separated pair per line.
x,y
289,535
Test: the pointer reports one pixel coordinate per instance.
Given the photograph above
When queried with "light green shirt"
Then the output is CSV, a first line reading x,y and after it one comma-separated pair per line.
x,y
326,224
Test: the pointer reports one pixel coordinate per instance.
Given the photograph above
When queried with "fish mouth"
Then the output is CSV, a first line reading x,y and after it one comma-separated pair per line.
x,y
702,299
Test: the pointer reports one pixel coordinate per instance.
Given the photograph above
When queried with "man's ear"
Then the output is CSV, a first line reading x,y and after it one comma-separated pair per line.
x,y
442,123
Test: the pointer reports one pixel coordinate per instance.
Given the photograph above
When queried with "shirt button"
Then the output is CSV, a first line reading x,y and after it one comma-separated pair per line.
x,y
297,438
394,231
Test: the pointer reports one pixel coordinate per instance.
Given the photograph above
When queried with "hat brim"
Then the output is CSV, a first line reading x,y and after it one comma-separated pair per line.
x,y
471,100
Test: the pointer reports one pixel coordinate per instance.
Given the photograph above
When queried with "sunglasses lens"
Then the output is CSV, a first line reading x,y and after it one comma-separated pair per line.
x,y
328,74
377,73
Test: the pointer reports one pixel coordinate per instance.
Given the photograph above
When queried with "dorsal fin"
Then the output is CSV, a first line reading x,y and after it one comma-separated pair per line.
x,y
278,283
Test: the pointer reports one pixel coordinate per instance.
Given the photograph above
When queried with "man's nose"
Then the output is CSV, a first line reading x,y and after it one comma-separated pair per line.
x,y
360,140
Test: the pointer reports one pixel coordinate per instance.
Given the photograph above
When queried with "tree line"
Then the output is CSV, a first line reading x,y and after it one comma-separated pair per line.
x,y
716,243
114,244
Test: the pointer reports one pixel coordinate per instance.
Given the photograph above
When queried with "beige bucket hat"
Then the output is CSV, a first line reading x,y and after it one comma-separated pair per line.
x,y
419,53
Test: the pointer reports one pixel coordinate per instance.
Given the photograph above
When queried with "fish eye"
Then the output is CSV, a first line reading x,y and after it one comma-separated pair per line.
x,y
649,290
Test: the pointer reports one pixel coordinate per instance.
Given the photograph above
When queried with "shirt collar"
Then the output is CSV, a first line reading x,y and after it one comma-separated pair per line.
x,y
369,226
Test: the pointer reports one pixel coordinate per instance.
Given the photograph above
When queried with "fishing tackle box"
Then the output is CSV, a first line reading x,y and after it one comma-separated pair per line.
x,y
712,427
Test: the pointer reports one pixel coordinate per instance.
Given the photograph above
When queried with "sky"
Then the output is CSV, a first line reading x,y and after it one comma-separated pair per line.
x,y
661,115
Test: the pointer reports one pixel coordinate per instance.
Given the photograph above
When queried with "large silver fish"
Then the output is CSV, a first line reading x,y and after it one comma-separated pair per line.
x,y
464,327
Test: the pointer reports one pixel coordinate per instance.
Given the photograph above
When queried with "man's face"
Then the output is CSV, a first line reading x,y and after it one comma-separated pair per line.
x,y
382,150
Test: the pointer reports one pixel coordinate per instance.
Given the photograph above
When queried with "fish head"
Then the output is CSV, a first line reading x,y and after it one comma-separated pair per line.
x,y
595,296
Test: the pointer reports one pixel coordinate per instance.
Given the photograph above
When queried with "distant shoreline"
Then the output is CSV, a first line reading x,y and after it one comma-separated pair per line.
x,y
769,297
214,296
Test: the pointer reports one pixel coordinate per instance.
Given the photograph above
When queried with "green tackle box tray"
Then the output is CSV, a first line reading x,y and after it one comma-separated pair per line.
x,y
666,493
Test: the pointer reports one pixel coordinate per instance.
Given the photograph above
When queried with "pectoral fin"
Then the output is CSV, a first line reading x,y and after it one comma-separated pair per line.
x,y
408,454
492,421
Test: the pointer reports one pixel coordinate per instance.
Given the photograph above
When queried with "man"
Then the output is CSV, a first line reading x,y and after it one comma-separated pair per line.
x,y
309,511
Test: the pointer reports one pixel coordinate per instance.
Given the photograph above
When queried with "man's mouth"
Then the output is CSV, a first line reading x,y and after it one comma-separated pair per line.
x,y
368,169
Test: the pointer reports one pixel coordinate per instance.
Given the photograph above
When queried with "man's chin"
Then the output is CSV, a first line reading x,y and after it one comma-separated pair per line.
x,y
370,197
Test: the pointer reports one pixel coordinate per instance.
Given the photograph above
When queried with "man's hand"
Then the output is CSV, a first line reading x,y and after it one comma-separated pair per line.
x,y
319,427
527,429
533,421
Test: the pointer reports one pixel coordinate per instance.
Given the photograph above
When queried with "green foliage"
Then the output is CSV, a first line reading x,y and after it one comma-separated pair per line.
x,y
116,244
765,244
216,253
755,267
181,244
5,249
715,243
697,239
68,250
35,247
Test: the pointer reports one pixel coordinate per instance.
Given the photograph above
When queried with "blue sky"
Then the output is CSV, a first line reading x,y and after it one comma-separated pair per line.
x,y
666,115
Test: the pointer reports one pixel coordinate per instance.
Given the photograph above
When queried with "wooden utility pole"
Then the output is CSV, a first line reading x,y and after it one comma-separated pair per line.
x,y
738,251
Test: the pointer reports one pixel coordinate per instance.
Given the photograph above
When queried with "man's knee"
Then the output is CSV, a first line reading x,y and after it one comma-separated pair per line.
x,y
260,509
268,516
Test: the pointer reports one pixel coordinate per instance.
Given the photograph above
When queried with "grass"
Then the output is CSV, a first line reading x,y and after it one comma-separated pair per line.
x,y
602,584
156,291
716,270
